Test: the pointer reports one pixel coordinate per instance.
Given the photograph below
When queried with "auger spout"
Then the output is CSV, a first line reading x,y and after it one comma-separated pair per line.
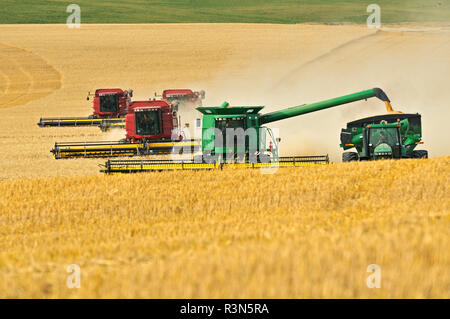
x,y
313,107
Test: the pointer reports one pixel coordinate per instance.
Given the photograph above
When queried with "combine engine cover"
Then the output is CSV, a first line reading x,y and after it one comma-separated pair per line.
x,y
111,103
150,120
184,96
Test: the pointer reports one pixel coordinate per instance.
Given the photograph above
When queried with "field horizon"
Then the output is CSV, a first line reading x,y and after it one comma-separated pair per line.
x,y
228,11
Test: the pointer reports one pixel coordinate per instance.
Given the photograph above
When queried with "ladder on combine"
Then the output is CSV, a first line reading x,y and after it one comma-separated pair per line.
x,y
137,166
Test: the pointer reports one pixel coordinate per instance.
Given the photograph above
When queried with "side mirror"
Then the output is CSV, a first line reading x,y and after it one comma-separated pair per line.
x,y
278,139
87,98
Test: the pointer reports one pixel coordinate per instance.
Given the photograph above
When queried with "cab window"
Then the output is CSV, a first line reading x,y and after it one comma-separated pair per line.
x,y
379,136
109,103
147,122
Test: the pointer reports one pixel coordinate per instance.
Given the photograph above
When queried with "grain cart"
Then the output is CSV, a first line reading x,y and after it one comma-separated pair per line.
x,y
383,137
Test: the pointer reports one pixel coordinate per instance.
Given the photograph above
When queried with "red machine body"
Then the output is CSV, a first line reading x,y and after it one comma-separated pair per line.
x,y
109,103
151,120
183,96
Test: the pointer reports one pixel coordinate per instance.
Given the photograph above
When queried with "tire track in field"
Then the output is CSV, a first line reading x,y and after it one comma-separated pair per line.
x,y
25,76
362,50
343,47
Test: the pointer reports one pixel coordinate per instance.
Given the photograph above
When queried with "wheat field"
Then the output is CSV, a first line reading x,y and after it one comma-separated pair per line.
x,y
302,232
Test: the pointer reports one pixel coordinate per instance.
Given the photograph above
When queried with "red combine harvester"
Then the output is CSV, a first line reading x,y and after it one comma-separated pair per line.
x,y
109,103
183,96
109,107
152,127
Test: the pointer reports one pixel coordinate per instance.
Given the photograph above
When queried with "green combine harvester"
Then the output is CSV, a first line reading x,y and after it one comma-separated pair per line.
x,y
236,136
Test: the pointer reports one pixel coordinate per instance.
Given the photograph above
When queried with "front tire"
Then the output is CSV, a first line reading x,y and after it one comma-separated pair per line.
x,y
350,157
420,154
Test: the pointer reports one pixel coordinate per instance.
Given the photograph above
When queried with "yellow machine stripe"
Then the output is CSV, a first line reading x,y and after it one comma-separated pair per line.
x,y
170,144
87,120
95,148
187,166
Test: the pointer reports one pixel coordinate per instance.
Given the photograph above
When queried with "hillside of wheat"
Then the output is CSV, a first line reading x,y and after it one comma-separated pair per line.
x,y
301,232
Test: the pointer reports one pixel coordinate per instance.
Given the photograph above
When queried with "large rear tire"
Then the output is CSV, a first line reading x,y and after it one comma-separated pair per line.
x,y
420,154
350,157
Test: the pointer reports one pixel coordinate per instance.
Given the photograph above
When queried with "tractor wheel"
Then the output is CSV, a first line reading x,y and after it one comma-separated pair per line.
x,y
350,157
420,154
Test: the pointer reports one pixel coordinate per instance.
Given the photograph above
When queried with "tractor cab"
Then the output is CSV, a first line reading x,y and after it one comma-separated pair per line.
x,y
383,141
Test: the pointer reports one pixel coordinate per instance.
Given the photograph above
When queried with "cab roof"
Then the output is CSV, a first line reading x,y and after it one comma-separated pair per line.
x,y
153,103
384,117
108,91
177,92
235,110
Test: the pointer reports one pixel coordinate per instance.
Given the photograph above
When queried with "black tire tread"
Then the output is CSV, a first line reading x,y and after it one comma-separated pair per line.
x,y
350,157
420,154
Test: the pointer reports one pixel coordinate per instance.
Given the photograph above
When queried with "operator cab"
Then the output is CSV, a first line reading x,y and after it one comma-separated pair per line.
x,y
109,102
235,134
228,125
151,120
384,142
147,121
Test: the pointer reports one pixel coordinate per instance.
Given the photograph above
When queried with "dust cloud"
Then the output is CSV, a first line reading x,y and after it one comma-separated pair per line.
x,y
413,68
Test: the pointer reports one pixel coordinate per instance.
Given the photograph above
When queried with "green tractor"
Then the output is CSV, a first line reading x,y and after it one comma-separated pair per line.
x,y
389,136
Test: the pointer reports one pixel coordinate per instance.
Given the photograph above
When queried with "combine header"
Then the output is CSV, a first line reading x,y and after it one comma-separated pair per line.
x,y
137,166
233,135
